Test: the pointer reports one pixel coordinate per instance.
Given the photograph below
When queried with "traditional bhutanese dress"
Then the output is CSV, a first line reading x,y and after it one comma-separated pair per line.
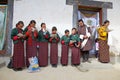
x,y
18,51
103,46
31,43
43,38
65,49
75,57
54,49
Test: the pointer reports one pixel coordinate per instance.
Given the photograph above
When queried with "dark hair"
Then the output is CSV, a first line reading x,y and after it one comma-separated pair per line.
x,y
42,24
20,22
97,39
66,30
54,28
106,21
74,29
80,20
32,21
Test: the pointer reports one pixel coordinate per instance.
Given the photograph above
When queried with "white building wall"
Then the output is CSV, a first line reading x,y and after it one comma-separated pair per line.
x,y
114,17
57,13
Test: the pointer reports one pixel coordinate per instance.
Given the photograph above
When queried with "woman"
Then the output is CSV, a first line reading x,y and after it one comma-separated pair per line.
x,y
103,46
43,38
31,41
18,52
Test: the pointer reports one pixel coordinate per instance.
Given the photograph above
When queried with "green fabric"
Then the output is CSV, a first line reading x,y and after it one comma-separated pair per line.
x,y
54,40
66,39
75,38
41,37
25,30
14,33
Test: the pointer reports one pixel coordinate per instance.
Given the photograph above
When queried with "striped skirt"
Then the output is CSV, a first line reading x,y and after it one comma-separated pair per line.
x,y
103,51
75,57
31,51
64,54
18,55
54,53
43,54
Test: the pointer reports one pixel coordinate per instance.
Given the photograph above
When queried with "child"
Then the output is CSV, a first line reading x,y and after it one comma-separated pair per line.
x,y
75,47
43,38
96,47
65,48
31,41
18,52
54,39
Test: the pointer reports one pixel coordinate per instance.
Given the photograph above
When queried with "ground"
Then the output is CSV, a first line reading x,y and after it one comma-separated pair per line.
x,y
97,71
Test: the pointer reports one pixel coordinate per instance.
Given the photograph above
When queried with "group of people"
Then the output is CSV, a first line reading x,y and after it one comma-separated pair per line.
x,y
36,44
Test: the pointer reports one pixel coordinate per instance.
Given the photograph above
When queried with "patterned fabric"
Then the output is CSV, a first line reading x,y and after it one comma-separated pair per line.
x,y
43,53
14,34
43,36
65,40
52,38
82,31
54,53
103,34
18,53
31,50
103,51
75,58
64,54
74,40
30,34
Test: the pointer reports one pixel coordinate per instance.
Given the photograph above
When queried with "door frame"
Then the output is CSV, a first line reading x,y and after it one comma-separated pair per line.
x,y
91,8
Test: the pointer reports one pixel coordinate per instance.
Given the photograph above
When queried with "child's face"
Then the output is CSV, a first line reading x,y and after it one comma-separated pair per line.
x,y
54,31
67,34
73,31
44,26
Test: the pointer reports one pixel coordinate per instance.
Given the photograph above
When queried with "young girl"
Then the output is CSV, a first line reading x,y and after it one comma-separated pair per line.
x,y
96,47
31,41
54,39
18,52
43,38
65,48
75,47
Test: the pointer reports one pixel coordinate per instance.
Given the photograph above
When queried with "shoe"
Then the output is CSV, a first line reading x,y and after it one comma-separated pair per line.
x,y
17,69
54,65
76,64
64,64
20,69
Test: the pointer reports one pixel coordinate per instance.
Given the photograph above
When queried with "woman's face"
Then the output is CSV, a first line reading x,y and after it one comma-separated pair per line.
x,y
107,24
32,24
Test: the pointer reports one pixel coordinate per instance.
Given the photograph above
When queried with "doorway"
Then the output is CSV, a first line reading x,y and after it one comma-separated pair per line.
x,y
92,17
